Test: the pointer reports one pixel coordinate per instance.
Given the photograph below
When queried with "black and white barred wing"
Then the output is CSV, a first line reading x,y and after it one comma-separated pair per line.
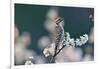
x,y
59,33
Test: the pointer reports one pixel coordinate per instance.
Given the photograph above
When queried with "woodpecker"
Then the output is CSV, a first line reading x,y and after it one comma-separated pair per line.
x,y
59,33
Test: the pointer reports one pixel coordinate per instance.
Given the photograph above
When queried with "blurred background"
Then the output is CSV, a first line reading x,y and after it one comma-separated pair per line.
x,y
34,31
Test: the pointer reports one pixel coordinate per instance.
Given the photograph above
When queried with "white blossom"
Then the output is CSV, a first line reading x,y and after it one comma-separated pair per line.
x,y
46,52
69,42
72,42
67,36
78,43
86,36
29,61
49,51
83,39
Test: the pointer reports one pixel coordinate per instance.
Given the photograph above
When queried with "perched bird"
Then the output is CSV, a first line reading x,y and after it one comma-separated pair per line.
x,y
59,33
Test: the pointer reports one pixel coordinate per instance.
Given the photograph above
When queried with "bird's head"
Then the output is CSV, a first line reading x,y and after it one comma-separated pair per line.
x,y
59,21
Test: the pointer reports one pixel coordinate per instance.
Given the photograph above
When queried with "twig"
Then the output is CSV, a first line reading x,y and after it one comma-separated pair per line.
x,y
59,51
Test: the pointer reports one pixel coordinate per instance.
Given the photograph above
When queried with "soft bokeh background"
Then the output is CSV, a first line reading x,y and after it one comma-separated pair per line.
x,y
33,31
